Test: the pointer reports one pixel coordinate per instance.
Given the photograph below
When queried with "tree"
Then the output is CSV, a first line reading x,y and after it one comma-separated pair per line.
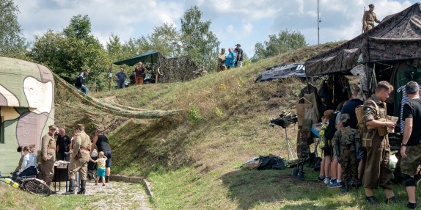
x,y
166,40
278,44
11,41
68,52
197,39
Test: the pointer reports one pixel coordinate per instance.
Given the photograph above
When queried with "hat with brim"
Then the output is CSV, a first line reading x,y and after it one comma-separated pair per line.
x,y
238,45
52,127
100,128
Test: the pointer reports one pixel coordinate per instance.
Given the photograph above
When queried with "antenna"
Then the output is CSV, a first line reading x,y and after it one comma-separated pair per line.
x,y
318,23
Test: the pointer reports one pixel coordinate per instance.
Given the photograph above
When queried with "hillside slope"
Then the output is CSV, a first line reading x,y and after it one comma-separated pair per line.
x,y
192,157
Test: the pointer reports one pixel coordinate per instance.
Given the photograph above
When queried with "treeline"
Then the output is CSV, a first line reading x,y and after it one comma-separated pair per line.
x,y
73,49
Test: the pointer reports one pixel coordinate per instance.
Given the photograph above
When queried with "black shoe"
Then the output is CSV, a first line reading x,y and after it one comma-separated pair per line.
x,y
346,189
372,200
82,187
320,178
411,205
392,200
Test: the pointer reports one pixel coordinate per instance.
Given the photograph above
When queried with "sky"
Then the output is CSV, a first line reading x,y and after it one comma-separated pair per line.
x,y
244,22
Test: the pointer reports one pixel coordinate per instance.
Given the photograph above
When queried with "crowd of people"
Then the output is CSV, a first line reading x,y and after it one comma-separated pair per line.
x,y
234,58
75,151
356,151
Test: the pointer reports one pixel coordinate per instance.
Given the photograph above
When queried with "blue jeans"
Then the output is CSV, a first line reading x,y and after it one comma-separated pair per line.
x,y
84,89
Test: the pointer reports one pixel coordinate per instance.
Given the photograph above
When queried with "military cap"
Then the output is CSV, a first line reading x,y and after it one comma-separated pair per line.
x,y
52,127
344,117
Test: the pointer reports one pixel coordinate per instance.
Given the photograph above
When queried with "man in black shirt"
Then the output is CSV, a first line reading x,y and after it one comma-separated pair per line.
x,y
411,142
80,81
63,145
239,56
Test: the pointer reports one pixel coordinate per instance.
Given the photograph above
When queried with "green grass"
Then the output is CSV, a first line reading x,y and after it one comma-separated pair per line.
x,y
192,158
11,198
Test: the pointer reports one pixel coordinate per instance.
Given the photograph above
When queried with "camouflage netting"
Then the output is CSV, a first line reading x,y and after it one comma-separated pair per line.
x,y
67,93
176,69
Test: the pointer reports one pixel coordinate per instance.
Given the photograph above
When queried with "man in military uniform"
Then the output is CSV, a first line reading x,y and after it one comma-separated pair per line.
x,y
369,18
82,144
377,171
48,152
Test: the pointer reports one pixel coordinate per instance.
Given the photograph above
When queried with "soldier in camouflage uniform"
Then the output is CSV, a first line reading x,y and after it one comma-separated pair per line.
x,y
377,172
82,143
346,137
369,18
48,152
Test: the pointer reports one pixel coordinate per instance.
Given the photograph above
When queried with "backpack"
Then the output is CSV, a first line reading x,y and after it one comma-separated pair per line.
x,y
366,135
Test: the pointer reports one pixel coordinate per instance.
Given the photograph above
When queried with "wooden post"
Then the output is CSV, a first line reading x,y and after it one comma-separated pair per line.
x,y
109,78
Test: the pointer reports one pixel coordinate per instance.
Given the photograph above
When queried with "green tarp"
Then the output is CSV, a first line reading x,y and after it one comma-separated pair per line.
x,y
150,56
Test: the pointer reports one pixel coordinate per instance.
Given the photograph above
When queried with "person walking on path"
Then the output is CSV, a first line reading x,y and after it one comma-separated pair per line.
x,y
101,167
411,142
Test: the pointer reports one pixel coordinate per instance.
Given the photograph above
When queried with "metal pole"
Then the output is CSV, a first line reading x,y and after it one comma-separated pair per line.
x,y
318,23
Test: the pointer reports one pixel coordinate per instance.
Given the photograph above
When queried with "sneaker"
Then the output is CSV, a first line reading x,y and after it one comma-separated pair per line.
x,y
334,184
320,178
326,181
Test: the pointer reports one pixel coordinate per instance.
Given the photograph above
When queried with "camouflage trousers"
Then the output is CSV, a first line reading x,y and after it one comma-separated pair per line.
x,y
348,161
410,164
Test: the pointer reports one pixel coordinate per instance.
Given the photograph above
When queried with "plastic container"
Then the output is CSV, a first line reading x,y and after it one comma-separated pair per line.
x,y
11,183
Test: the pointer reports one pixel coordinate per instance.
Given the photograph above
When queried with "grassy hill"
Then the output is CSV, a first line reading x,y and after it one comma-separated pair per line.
x,y
192,158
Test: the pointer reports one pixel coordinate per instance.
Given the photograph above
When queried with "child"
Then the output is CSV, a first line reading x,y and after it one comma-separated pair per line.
x,y
327,149
346,138
101,167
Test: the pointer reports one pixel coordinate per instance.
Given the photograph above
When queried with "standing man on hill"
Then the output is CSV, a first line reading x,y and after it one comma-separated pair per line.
x,y
239,55
139,74
121,78
369,18
411,142
377,172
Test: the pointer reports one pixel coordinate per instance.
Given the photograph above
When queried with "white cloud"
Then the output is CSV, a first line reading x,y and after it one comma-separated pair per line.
x,y
245,22
230,29
248,28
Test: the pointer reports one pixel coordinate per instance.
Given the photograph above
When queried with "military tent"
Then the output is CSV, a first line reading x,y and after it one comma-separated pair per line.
x,y
397,37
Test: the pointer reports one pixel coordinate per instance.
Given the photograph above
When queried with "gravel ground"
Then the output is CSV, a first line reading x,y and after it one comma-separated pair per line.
x,y
115,195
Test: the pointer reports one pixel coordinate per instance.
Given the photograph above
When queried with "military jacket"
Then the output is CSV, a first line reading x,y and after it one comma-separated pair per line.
x,y
48,146
346,135
369,18
374,109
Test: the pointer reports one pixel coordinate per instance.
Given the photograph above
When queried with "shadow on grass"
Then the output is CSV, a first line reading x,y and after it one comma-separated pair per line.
x,y
279,189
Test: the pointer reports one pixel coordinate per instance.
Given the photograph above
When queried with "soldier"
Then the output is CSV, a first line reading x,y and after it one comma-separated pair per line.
x,y
79,163
377,172
369,18
48,152
347,137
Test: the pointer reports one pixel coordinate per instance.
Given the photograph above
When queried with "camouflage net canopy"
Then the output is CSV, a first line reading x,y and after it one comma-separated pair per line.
x,y
176,69
170,69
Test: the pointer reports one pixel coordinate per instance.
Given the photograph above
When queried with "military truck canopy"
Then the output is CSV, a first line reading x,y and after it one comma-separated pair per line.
x,y
397,37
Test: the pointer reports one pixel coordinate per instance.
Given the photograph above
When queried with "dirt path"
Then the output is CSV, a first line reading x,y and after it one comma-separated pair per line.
x,y
115,195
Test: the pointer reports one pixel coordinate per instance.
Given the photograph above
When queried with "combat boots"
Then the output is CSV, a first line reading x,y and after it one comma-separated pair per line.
x,y
71,187
82,187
